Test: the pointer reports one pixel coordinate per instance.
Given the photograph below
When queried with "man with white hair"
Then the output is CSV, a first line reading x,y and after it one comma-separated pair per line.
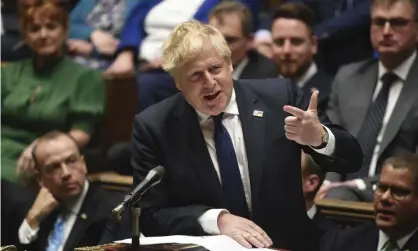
x,y
231,149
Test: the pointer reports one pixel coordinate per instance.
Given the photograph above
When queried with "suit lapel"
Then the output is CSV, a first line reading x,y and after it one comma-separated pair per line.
x,y
254,128
84,219
405,101
191,139
412,244
361,91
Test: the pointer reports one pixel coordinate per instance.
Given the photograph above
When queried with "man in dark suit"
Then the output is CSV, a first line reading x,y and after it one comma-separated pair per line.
x,y
342,28
396,206
68,211
294,49
377,100
231,149
235,21
312,178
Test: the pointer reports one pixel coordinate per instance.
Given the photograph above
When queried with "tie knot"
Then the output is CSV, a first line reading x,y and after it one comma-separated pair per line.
x,y
388,78
218,119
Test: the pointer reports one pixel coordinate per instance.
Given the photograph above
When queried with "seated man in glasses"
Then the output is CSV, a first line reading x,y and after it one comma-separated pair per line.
x,y
68,211
396,206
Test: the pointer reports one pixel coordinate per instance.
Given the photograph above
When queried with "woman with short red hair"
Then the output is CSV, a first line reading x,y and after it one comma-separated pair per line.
x,y
48,92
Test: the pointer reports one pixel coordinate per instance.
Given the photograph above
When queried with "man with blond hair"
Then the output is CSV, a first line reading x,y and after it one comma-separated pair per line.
x,y
231,149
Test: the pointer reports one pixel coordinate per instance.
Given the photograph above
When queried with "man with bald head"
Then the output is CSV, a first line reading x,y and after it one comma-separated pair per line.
x,y
68,211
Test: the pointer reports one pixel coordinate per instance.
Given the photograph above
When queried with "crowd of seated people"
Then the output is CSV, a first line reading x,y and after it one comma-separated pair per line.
x,y
53,98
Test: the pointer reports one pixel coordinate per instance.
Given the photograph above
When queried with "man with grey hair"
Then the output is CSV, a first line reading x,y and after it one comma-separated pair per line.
x,y
231,149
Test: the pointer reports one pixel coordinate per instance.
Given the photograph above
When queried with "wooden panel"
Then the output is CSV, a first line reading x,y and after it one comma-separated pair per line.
x,y
346,212
121,107
112,181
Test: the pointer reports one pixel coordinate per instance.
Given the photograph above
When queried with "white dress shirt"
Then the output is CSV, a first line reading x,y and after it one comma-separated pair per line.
x,y
28,235
395,90
311,212
312,70
383,238
232,123
239,68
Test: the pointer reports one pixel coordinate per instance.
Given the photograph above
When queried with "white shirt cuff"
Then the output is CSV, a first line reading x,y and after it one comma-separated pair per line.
x,y
26,234
360,184
209,221
326,182
330,147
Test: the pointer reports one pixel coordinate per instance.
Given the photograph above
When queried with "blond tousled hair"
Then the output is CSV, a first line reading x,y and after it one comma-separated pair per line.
x,y
187,40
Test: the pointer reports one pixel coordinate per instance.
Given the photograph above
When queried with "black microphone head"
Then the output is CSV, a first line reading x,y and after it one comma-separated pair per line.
x,y
155,175
160,170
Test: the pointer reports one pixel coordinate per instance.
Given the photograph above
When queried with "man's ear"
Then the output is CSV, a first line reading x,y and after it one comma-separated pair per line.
x,y
38,177
313,182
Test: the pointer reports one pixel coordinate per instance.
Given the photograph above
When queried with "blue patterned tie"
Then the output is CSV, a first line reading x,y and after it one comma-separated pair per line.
x,y
56,238
370,129
232,187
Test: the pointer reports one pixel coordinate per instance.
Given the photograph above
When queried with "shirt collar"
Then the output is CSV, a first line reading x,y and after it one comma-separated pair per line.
x,y
75,205
312,70
402,70
383,238
239,68
311,212
232,108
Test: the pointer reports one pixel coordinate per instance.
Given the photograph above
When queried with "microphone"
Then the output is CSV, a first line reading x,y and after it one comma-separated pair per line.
x,y
153,177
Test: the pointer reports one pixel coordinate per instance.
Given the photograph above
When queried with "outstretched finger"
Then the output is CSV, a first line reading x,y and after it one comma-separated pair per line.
x,y
299,113
241,240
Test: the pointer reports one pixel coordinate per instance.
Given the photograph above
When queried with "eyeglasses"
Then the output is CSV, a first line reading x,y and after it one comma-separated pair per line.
x,y
397,193
395,23
55,168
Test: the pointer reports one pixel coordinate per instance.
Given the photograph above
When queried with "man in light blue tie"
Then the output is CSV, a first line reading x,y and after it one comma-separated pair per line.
x,y
68,211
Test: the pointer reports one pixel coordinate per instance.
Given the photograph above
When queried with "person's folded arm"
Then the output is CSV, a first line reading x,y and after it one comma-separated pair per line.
x,y
160,214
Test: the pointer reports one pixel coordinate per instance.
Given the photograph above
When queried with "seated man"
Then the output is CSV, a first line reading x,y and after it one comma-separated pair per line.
x,y
294,49
377,100
68,211
396,206
312,178
232,149
235,22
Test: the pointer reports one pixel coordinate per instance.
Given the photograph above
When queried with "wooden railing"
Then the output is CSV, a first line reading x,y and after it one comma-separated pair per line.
x,y
346,212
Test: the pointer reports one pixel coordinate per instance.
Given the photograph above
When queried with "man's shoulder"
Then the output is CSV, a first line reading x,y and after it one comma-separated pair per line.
x,y
356,68
358,234
158,112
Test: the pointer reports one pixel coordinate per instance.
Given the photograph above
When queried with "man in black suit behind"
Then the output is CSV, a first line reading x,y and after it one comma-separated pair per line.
x,y
235,21
396,206
294,49
231,149
312,178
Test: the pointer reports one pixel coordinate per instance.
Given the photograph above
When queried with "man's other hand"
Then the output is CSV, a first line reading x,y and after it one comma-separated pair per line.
x,y
244,231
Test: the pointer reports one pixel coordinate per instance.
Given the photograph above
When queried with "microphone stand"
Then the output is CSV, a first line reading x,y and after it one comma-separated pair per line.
x,y
136,213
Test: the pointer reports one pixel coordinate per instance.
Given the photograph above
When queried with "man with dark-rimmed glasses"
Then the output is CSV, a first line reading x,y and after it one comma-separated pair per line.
x,y
396,207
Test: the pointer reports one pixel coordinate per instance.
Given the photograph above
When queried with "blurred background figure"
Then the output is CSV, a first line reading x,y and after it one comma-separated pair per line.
x,y
235,21
294,50
376,100
395,227
95,27
45,93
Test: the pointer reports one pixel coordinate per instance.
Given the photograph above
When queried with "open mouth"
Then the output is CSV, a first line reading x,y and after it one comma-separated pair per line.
x,y
385,213
211,96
